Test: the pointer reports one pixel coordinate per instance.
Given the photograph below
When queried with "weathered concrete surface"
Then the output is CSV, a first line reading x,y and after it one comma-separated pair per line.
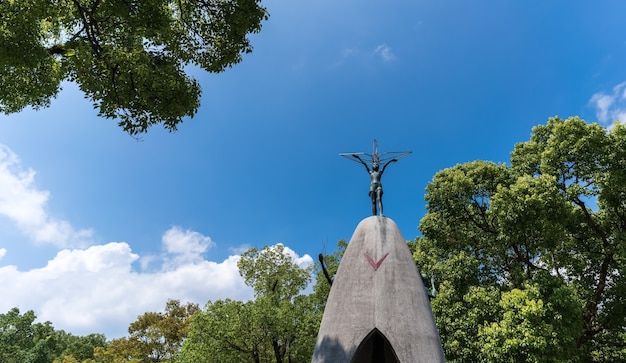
x,y
384,292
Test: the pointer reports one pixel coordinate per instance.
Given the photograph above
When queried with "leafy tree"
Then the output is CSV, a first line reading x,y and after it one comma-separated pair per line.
x,y
127,56
227,331
78,348
117,351
20,337
154,337
24,341
68,359
277,283
275,327
530,256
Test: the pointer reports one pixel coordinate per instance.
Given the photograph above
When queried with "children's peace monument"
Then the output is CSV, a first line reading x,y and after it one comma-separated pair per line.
x,y
378,310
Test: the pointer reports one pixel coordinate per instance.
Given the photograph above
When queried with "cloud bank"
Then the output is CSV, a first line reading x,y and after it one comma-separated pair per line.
x,y
610,107
97,289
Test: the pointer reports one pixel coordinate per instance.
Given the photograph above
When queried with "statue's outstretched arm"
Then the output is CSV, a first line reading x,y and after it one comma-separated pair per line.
x,y
362,162
387,163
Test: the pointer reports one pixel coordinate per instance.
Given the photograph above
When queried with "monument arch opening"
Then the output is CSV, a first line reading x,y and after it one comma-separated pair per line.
x,y
375,348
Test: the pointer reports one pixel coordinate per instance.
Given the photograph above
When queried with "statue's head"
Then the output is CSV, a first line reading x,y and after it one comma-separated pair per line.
x,y
375,165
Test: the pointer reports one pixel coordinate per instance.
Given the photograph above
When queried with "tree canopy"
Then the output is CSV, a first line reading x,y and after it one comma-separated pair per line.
x,y
531,255
22,340
129,57
279,325
154,337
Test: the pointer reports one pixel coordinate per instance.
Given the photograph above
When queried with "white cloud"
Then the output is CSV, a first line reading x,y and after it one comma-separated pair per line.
x,y
96,290
385,53
24,204
3,251
186,246
303,262
612,106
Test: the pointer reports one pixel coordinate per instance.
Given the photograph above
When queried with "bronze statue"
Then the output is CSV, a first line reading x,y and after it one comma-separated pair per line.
x,y
376,187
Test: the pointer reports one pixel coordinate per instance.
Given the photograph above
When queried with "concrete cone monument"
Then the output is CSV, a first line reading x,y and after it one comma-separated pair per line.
x,y
377,310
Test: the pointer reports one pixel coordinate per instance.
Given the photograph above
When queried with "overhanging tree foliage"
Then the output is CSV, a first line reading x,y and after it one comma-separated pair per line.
x,y
531,256
127,56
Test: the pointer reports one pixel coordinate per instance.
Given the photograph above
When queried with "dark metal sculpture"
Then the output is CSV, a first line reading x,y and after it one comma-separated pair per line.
x,y
328,278
432,292
373,169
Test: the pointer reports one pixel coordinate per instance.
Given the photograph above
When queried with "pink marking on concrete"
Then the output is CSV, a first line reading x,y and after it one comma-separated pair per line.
x,y
377,264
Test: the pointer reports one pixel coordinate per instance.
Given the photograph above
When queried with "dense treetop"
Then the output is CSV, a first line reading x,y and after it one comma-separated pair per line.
x,y
22,340
531,255
127,56
279,325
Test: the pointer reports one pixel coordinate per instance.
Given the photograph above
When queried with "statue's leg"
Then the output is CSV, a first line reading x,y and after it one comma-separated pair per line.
x,y
373,196
379,196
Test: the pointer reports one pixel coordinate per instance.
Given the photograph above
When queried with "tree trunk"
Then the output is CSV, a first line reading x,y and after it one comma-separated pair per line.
x,y
277,353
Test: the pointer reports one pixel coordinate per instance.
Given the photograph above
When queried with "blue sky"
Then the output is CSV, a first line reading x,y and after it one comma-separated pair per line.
x,y
97,228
